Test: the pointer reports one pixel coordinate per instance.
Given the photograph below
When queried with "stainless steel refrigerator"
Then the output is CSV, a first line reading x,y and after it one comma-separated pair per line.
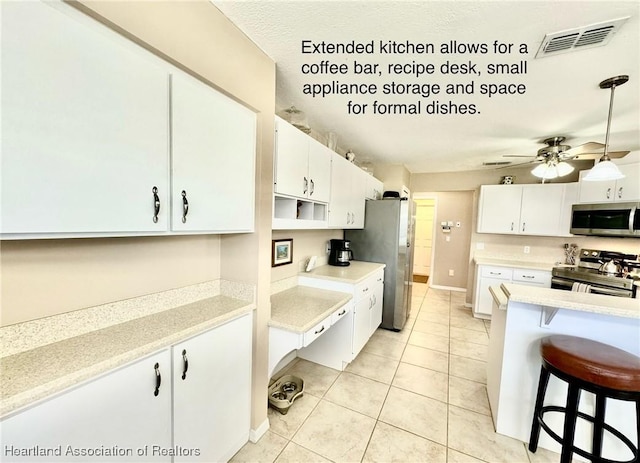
x,y
388,238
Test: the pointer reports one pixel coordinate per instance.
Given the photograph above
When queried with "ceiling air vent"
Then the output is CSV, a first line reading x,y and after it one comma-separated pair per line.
x,y
496,163
580,38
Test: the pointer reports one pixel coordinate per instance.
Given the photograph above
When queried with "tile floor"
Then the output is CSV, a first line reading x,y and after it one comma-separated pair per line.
x,y
414,396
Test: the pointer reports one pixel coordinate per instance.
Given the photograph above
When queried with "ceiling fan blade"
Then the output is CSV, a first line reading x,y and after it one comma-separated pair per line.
x,y
618,154
519,156
516,165
594,156
585,148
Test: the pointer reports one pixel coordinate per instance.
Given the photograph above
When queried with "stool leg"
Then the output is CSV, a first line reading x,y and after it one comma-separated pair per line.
x,y
570,417
535,423
598,425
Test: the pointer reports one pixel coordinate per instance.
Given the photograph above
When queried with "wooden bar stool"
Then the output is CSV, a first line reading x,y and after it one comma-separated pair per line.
x,y
591,366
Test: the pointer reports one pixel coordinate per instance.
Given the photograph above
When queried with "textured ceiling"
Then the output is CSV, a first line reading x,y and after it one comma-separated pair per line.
x,y
562,97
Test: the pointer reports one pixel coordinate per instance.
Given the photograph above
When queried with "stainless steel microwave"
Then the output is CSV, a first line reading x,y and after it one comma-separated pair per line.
x,y
607,219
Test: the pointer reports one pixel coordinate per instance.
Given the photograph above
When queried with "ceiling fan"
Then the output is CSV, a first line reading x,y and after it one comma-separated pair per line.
x,y
555,151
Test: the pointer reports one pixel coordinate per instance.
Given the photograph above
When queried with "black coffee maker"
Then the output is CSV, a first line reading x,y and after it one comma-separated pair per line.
x,y
340,254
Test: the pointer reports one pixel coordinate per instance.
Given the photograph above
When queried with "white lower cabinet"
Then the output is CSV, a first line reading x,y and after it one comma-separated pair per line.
x,y
212,392
130,410
490,275
123,411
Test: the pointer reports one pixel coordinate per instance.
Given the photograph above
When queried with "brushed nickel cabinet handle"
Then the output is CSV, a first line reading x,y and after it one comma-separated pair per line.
x,y
156,367
320,330
156,204
185,206
185,362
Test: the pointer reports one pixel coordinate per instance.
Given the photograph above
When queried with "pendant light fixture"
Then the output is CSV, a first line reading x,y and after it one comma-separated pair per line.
x,y
552,168
605,169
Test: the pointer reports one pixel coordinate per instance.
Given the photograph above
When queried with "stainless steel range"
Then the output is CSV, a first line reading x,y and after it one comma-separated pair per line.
x,y
600,272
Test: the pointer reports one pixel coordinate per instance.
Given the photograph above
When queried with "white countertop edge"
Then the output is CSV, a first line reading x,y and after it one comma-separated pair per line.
x,y
499,297
31,397
375,266
515,263
302,329
571,300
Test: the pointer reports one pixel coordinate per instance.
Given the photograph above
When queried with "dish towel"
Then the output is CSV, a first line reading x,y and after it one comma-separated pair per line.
x,y
581,287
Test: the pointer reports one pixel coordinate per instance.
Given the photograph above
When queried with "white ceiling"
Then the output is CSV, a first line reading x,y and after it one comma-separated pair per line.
x,y
562,94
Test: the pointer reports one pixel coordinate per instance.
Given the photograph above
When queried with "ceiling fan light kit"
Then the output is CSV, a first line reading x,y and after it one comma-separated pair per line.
x,y
552,169
605,169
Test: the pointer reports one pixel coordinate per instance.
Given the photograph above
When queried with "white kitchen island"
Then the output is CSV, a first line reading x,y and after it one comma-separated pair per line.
x,y
522,315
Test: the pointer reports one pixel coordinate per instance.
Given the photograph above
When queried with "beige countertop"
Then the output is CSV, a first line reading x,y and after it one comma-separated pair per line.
x,y
31,375
299,308
354,273
514,263
571,300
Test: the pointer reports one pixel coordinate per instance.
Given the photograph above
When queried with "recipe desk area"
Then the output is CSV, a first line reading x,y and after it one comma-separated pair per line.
x,y
522,315
326,315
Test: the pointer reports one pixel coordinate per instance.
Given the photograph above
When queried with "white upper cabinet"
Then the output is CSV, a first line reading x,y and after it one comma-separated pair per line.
x,y
348,186
536,209
375,188
302,165
625,189
85,128
213,159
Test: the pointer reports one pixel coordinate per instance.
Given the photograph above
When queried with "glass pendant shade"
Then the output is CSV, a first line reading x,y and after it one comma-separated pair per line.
x,y
604,170
550,170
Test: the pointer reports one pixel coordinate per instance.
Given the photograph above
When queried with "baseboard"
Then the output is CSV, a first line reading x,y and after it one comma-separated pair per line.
x,y
256,434
469,305
449,288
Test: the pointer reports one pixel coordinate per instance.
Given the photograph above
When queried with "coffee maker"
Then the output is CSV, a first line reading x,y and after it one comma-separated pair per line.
x,y
340,254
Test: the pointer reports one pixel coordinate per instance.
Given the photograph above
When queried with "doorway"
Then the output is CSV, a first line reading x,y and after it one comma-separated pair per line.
x,y
425,213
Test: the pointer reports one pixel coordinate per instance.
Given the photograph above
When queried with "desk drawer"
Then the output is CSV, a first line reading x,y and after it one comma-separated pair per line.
x,y
313,333
341,312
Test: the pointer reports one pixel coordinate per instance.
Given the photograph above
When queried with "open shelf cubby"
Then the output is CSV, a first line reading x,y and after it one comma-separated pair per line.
x,y
292,213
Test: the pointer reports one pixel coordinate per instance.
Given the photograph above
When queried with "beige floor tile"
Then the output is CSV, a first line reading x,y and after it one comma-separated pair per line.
x,y
317,378
429,341
427,358
472,433
435,305
543,456
390,444
423,381
419,289
431,327
460,311
476,337
458,296
385,347
435,317
330,431
453,456
469,395
360,394
469,350
266,450
417,414
467,368
374,367
293,453
287,425
399,336
467,322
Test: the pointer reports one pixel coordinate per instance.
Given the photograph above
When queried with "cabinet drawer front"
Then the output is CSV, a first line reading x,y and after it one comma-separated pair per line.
x,y
366,288
315,332
540,277
341,312
500,273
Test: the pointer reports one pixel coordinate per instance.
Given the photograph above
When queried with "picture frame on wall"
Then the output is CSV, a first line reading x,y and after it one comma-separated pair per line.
x,y
281,252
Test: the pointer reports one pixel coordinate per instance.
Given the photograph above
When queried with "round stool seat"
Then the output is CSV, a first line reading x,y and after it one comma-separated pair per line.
x,y
593,362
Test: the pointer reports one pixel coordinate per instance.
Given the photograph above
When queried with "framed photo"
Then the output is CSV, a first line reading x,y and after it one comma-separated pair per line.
x,y
281,252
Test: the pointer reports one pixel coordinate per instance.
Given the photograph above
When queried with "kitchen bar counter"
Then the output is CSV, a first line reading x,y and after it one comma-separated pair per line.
x,y
34,374
522,316
301,307
514,263
351,274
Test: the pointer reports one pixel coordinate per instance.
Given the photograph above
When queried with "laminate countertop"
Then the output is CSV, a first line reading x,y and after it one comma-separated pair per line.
x,y
34,374
572,300
514,263
354,273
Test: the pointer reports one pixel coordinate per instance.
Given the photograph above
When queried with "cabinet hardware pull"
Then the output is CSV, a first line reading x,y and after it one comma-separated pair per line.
x,y
156,367
495,273
608,193
620,193
320,330
185,206
524,224
528,276
313,187
511,226
185,361
375,300
156,204
344,311
306,185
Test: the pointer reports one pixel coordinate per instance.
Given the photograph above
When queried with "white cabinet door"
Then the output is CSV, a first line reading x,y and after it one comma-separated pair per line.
x,y
212,403
358,193
499,210
596,192
488,276
376,308
119,410
85,127
628,188
361,324
340,205
213,159
319,172
541,209
292,160
375,188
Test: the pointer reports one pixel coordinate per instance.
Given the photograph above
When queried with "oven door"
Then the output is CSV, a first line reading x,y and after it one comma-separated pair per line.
x,y
567,285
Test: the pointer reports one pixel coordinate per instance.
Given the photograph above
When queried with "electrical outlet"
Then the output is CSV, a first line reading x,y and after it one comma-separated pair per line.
x,y
527,249
451,272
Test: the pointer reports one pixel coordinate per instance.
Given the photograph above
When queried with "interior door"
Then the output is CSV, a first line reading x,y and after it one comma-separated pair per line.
x,y
423,236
